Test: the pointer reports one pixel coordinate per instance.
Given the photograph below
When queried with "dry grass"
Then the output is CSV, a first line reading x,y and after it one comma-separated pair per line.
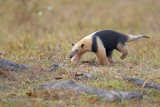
x,y
29,37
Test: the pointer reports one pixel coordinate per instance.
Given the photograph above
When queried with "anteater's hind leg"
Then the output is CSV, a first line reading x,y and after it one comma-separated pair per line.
x,y
124,49
109,57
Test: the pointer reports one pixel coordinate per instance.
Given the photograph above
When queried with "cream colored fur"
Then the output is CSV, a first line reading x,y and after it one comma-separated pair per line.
x,y
87,41
132,37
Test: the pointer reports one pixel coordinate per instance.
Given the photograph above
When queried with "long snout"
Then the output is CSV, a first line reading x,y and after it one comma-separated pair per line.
x,y
72,54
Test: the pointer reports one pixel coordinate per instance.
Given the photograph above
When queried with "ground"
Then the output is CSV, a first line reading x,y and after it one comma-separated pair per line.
x,y
40,33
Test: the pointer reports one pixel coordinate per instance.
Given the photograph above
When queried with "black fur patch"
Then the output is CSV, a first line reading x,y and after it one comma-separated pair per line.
x,y
109,53
110,39
94,44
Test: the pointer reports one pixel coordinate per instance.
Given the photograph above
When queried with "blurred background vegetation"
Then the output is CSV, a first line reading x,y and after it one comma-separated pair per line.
x,y
48,16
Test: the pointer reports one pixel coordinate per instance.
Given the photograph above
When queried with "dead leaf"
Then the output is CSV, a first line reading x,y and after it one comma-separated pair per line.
x,y
93,100
86,62
58,78
31,94
131,67
79,74
12,95
34,101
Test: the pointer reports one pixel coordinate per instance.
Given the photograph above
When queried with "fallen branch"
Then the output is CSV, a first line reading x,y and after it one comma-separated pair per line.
x,y
143,83
107,95
11,65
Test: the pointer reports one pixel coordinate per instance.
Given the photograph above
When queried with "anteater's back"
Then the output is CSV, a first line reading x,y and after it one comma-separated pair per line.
x,y
111,38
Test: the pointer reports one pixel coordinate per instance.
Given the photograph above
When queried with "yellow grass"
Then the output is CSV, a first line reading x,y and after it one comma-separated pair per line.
x,y
39,33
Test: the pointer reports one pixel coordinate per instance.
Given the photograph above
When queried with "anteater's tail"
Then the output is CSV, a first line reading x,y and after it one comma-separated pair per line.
x,y
132,38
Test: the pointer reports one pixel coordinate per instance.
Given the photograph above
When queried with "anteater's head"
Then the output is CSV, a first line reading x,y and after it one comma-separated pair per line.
x,y
77,50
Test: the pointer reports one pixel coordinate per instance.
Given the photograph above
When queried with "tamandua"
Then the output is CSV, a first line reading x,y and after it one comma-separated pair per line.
x,y
102,43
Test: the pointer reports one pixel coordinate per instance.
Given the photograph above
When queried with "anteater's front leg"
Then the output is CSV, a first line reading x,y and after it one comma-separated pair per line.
x,y
76,58
101,55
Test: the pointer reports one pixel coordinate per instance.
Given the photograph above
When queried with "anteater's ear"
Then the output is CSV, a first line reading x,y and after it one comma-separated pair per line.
x,y
72,44
82,45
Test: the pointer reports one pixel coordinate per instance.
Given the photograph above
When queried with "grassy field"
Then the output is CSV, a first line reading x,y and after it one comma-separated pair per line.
x,y
40,33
